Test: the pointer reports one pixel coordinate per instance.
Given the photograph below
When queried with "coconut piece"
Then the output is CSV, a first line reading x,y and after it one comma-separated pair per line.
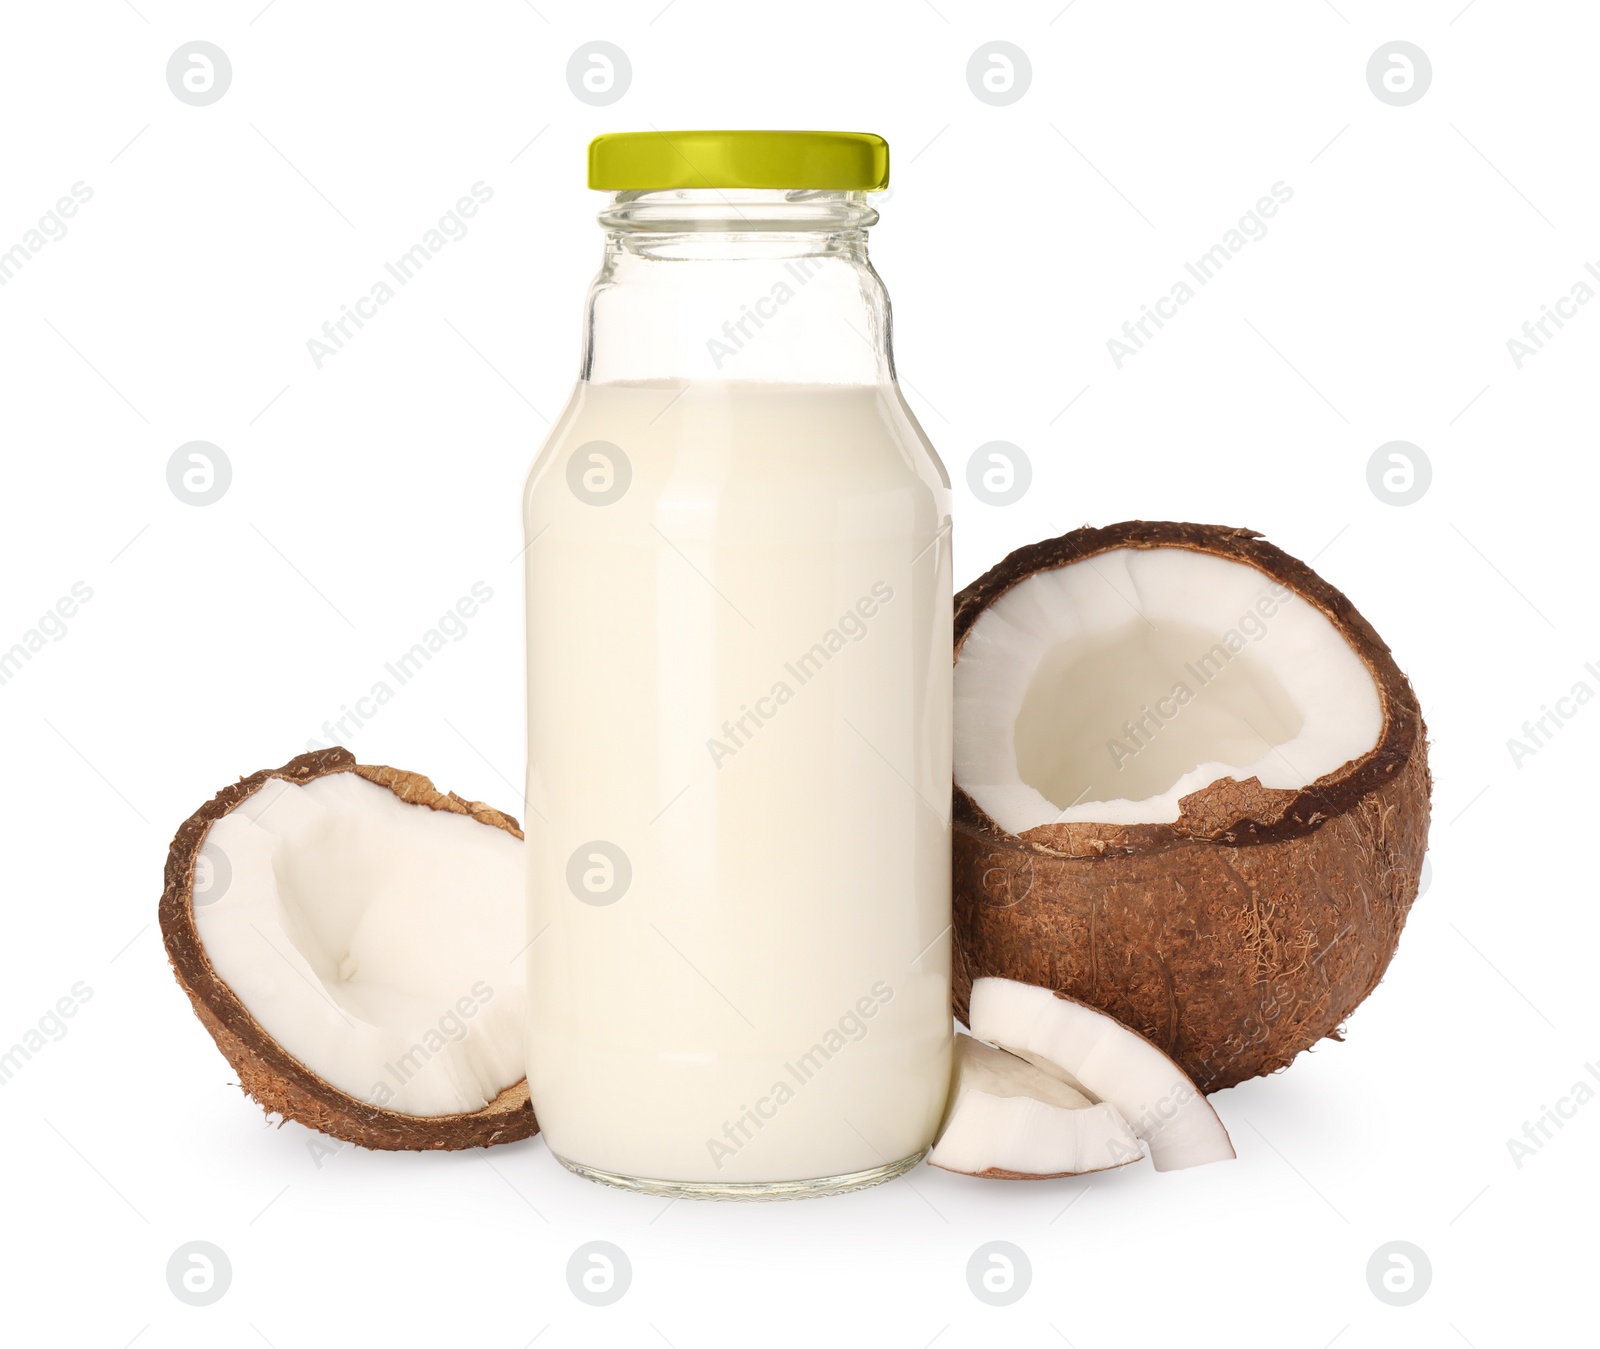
x,y
1008,1119
1096,1054
1191,790
349,936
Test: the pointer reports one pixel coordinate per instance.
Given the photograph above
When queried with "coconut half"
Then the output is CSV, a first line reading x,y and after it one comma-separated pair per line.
x,y
1009,1119
350,937
1096,1054
1191,790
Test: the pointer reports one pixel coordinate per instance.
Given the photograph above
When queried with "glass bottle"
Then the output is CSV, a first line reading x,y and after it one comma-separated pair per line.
x,y
738,626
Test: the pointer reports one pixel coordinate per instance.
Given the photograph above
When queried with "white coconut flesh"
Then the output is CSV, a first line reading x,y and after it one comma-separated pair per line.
x,y
1109,689
375,940
1102,1058
1008,1115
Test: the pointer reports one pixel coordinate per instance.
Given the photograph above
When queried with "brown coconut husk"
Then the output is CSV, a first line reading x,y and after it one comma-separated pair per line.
x,y
278,1082
1252,926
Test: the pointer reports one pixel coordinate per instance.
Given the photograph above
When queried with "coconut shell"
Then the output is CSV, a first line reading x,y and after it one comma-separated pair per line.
x,y
1252,926
280,1083
1000,1173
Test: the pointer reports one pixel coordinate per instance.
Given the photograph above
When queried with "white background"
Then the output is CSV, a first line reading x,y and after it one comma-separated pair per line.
x,y
369,495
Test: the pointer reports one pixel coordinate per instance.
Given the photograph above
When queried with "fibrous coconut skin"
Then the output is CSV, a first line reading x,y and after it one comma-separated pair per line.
x,y
1244,931
280,1083
1098,1055
1009,1119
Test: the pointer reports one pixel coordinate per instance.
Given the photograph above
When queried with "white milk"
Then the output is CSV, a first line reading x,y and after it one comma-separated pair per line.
x,y
739,758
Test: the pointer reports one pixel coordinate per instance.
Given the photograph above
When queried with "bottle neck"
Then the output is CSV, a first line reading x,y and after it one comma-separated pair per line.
x,y
752,286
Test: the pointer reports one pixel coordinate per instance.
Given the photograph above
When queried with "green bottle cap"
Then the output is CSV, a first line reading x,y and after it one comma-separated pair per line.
x,y
657,161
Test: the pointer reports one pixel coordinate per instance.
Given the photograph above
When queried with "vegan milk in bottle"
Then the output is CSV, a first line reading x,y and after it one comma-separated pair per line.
x,y
738,624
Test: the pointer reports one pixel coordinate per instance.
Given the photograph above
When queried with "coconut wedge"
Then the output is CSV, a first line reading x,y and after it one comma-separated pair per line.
x,y
1097,1055
1008,1119
350,937
1191,790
